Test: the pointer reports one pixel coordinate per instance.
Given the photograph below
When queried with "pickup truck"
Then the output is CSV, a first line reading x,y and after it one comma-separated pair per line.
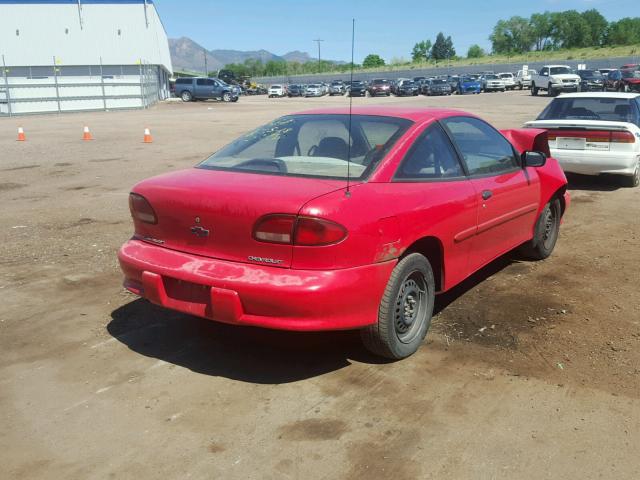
x,y
189,89
554,79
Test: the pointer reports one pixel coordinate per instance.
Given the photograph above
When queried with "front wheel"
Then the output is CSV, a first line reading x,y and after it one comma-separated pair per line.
x,y
534,89
226,97
545,234
405,311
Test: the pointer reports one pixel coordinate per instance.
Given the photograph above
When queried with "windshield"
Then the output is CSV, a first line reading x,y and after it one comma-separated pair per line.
x,y
314,86
506,75
468,79
594,108
312,146
630,73
491,77
380,82
276,86
559,70
589,74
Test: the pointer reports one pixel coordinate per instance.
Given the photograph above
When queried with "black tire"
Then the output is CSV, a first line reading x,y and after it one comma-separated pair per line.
x,y
550,91
545,234
235,99
632,180
534,89
186,96
520,86
405,311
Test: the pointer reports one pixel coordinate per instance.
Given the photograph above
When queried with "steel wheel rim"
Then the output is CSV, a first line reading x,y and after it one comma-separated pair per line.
x,y
549,228
410,307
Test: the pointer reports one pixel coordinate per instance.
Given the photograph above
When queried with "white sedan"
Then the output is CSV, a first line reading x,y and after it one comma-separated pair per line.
x,y
595,133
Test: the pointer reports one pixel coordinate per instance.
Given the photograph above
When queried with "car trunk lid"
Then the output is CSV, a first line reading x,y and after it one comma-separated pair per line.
x,y
589,135
212,213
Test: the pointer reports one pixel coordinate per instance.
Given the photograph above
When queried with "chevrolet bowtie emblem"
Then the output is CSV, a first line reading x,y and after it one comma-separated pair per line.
x,y
200,232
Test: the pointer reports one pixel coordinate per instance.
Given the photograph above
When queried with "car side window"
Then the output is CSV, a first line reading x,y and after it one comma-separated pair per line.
x,y
201,81
544,71
484,150
431,157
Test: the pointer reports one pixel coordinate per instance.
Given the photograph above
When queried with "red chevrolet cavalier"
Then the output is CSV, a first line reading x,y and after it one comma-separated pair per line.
x,y
324,220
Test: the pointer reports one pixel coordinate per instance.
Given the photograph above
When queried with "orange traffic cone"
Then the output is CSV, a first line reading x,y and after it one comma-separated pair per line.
x,y
86,135
21,136
147,136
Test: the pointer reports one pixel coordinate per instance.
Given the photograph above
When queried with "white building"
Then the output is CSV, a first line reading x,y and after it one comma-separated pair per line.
x,y
71,55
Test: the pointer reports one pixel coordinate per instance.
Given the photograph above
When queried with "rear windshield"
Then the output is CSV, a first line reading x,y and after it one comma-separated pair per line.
x,y
312,146
438,81
506,75
380,82
491,77
276,86
610,109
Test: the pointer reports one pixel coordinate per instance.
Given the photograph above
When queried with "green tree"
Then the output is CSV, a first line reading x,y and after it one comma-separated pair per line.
x,y
475,51
442,48
373,60
625,31
597,26
570,29
540,24
514,35
421,51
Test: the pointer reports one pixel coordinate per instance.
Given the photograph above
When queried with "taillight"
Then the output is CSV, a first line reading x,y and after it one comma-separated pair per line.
x,y
141,209
274,229
312,231
301,231
622,137
594,136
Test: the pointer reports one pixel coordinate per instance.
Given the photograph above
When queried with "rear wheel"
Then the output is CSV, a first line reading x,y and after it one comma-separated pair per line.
x,y
545,233
186,96
405,311
633,180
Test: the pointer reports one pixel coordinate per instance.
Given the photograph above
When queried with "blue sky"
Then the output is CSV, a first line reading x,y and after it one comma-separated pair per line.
x,y
381,26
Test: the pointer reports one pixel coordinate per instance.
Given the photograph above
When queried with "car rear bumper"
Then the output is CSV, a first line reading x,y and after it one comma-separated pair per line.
x,y
596,163
246,294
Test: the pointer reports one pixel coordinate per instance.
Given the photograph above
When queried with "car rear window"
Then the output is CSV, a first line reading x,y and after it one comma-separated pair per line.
x,y
590,108
312,146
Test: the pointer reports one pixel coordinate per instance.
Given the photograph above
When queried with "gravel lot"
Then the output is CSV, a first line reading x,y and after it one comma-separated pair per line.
x,y
531,370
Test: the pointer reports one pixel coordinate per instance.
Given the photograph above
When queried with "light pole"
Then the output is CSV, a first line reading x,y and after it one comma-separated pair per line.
x,y
206,69
318,40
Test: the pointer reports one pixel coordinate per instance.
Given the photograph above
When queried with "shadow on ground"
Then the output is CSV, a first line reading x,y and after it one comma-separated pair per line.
x,y
251,354
600,183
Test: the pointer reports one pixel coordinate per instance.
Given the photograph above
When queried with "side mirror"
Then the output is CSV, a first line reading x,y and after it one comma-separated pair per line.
x,y
533,159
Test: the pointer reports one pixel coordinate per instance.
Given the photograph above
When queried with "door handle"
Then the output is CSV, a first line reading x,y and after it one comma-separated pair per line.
x,y
487,194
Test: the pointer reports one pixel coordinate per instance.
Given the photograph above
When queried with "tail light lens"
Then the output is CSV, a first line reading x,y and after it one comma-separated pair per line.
x,y
594,135
312,231
274,229
141,209
622,137
301,231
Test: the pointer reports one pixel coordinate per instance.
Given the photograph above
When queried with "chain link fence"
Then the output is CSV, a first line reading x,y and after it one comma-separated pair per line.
x,y
444,69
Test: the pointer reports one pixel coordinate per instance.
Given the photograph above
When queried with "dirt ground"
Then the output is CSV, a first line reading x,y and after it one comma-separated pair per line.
x,y
531,370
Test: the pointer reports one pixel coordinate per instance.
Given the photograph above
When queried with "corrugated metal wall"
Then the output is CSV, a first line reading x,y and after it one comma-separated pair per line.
x,y
63,55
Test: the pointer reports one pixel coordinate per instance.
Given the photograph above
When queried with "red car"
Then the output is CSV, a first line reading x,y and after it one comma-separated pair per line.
x,y
325,221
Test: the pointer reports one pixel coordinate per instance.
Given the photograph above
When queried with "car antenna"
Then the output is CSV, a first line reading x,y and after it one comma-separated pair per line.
x,y
347,193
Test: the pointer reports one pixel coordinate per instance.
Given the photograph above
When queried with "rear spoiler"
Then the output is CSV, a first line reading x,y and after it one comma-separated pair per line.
x,y
528,139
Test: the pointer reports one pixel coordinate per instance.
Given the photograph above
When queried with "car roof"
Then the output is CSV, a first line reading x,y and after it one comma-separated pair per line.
x,y
600,95
409,113
552,66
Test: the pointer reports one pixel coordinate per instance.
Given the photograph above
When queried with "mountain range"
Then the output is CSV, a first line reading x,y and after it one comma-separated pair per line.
x,y
187,55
